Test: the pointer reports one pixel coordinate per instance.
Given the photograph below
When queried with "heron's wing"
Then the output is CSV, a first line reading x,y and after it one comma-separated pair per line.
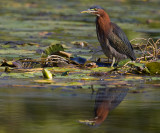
x,y
114,96
119,41
117,97
120,33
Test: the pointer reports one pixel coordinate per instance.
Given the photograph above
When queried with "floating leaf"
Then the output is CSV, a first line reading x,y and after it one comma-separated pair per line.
x,y
18,75
79,60
153,67
47,74
123,62
102,69
136,64
44,81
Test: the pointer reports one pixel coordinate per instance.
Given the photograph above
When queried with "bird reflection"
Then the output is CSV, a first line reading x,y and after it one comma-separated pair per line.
x,y
106,100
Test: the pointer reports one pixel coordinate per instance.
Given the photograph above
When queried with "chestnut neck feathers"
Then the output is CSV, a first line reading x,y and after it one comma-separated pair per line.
x,y
103,21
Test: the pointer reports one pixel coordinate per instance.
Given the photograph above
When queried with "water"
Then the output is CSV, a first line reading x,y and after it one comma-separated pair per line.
x,y
59,110
27,106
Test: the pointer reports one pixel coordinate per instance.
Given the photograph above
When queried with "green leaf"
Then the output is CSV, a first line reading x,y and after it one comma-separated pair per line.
x,y
153,67
102,69
53,48
123,62
47,74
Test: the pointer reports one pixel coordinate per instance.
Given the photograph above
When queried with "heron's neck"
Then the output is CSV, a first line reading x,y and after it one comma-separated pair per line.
x,y
102,112
103,22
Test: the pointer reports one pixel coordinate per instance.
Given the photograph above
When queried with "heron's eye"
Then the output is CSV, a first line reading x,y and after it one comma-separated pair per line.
x,y
93,9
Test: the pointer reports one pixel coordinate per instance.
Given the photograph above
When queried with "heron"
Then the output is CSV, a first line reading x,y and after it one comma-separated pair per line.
x,y
114,42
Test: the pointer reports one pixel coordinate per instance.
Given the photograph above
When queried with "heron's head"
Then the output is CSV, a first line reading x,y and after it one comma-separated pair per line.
x,y
96,10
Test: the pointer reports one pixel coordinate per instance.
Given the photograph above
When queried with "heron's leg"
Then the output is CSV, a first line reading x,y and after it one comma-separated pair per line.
x,y
113,61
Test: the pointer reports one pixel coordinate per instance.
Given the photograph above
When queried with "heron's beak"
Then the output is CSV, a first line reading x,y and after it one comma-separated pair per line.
x,y
88,11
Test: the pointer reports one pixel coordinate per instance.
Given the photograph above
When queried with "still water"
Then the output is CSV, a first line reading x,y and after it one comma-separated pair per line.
x,y
102,106
132,107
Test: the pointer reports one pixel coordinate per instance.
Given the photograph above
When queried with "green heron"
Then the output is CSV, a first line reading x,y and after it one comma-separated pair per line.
x,y
114,42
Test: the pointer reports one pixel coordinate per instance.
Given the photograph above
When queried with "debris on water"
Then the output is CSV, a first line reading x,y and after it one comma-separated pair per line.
x,y
22,63
149,21
7,63
7,70
63,54
45,33
27,63
18,64
105,64
14,44
65,73
98,74
91,65
31,44
39,51
55,61
55,56
80,44
79,60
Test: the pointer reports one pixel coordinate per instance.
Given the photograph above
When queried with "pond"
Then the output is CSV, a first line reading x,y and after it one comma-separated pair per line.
x,y
104,104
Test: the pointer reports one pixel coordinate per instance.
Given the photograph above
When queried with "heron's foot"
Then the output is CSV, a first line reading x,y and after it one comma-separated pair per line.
x,y
137,60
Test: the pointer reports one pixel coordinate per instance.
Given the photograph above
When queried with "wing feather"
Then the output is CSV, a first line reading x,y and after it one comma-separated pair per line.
x,y
119,41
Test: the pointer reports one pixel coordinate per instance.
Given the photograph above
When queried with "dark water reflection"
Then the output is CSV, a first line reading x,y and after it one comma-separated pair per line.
x,y
55,110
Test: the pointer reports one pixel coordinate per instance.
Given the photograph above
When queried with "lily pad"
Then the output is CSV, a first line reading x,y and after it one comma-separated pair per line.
x,y
123,62
102,69
153,67
17,75
53,48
